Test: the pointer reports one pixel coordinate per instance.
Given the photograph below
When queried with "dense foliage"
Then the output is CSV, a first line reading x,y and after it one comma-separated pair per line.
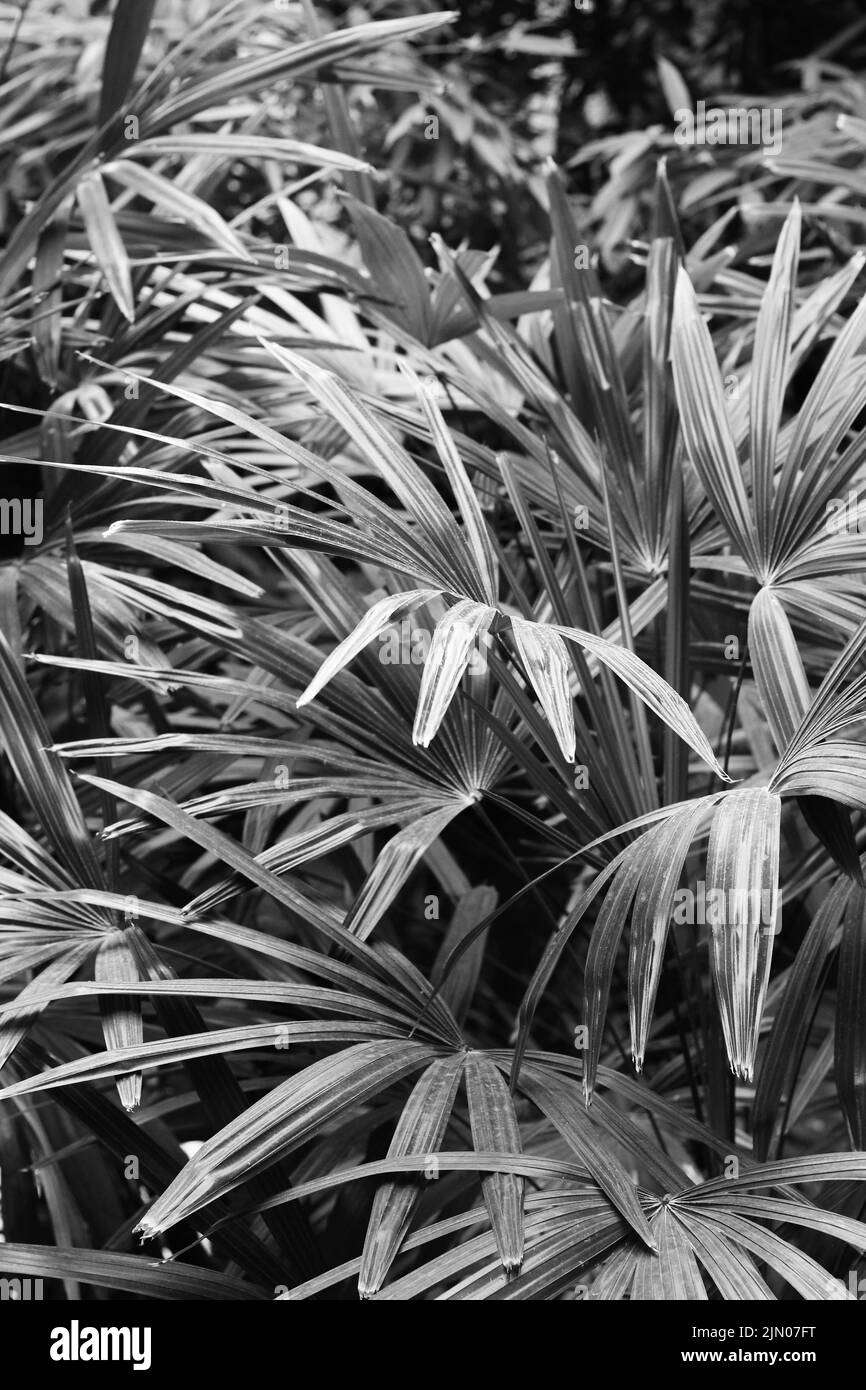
x,y
432,691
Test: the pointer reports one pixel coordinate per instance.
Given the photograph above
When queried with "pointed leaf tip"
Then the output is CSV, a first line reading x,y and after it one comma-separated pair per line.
x,y
451,651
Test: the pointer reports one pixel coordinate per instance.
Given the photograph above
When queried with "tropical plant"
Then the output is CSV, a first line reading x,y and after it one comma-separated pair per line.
x,y
432,719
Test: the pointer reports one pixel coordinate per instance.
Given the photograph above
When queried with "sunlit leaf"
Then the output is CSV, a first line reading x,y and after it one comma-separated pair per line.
x,y
375,620
742,911
545,657
455,644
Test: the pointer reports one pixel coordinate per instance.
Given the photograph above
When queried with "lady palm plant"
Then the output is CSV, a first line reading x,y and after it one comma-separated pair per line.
x,y
398,668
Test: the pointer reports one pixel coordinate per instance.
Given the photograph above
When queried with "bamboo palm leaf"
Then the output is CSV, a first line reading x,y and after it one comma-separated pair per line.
x,y
743,867
280,1122
495,1127
850,1048
705,423
454,645
122,1023
106,242
420,1129
133,1274
376,620
41,773
769,374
